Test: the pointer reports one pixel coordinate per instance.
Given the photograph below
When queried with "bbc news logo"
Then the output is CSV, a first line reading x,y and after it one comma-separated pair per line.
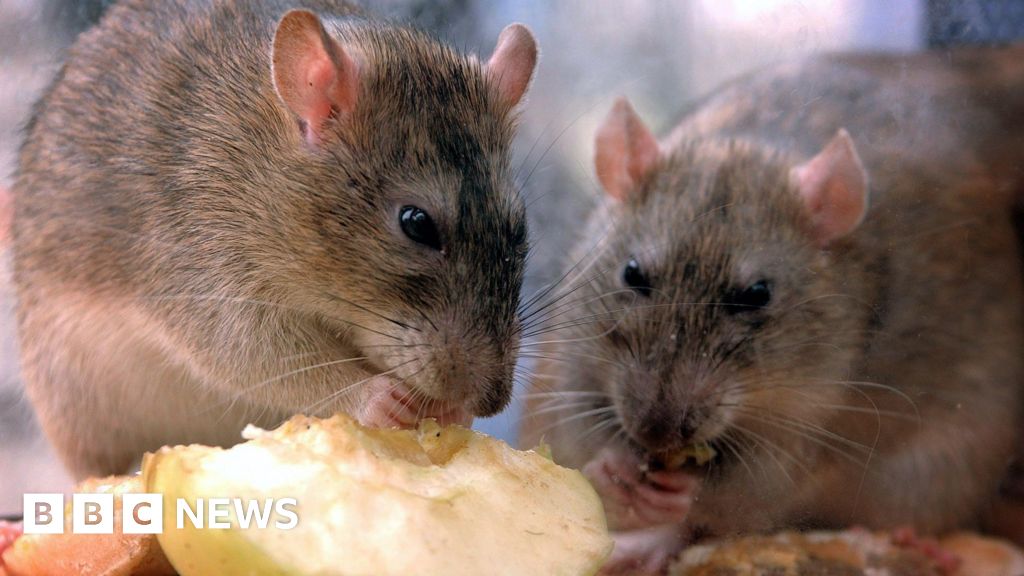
x,y
144,513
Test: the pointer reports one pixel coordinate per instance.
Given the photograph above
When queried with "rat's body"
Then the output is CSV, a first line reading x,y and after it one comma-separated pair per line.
x,y
878,379
219,218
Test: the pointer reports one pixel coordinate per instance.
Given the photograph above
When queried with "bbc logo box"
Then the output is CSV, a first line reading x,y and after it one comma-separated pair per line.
x,y
93,514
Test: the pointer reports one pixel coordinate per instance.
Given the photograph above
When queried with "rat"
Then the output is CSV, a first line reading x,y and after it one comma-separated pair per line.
x,y
229,212
814,275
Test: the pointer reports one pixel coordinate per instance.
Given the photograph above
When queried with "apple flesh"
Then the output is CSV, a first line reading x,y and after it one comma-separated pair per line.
x,y
446,501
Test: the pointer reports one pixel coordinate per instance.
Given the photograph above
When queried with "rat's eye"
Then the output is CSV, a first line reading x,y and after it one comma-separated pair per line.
x,y
753,297
419,226
635,278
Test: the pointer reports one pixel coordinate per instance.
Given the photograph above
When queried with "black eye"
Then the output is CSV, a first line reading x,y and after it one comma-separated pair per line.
x,y
753,297
419,227
635,278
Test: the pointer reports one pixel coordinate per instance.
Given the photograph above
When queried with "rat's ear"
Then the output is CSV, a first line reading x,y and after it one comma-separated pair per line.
x,y
834,188
511,66
625,151
313,75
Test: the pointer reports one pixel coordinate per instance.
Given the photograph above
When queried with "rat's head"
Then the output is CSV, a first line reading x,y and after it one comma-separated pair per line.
x,y
412,236
718,314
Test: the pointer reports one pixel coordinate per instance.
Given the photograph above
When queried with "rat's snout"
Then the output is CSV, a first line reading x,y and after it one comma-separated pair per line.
x,y
660,421
665,427
471,368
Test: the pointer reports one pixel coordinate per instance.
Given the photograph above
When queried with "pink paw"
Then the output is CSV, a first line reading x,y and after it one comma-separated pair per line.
x,y
9,532
635,498
391,404
643,552
946,561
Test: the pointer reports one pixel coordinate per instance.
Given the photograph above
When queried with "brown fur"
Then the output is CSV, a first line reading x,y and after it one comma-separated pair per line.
x,y
186,264
912,322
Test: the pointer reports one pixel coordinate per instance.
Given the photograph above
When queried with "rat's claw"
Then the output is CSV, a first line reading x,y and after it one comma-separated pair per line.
x,y
635,499
390,403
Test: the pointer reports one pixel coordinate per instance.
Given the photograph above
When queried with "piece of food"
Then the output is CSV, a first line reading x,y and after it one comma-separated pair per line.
x,y
854,552
700,454
444,501
982,556
114,554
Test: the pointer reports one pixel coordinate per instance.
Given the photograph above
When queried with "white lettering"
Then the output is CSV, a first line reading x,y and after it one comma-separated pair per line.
x,y
195,516
282,510
218,508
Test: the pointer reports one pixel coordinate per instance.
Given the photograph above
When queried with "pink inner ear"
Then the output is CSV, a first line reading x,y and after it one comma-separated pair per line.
x,y
315,103
643,147
625,151
511,66
312,73
833,186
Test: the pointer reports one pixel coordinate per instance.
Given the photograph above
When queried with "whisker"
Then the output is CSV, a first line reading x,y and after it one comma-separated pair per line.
x,y
556,408
807,436
337,393
372,312
601,425
250,389
799,427
728,442
566,393
758,439
574,417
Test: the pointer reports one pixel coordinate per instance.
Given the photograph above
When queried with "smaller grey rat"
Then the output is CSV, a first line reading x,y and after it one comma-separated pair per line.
x,y
816,275
229,212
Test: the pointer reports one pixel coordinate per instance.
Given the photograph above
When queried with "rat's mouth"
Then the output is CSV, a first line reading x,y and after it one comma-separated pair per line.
x,y
699,458
699,454
389,403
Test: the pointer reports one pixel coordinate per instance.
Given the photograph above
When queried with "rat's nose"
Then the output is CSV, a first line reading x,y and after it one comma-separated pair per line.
x,y
657,429
654,435
688,429
472,369
666,428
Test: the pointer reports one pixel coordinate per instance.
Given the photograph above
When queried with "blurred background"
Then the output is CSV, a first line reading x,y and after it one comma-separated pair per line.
x,y
660,54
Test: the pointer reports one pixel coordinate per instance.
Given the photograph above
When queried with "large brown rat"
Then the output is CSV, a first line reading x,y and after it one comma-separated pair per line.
x,y
233,211
816,275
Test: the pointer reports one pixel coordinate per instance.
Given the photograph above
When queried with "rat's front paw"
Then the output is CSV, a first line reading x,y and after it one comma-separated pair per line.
x,y
9,532
389,403
643,552
635,498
